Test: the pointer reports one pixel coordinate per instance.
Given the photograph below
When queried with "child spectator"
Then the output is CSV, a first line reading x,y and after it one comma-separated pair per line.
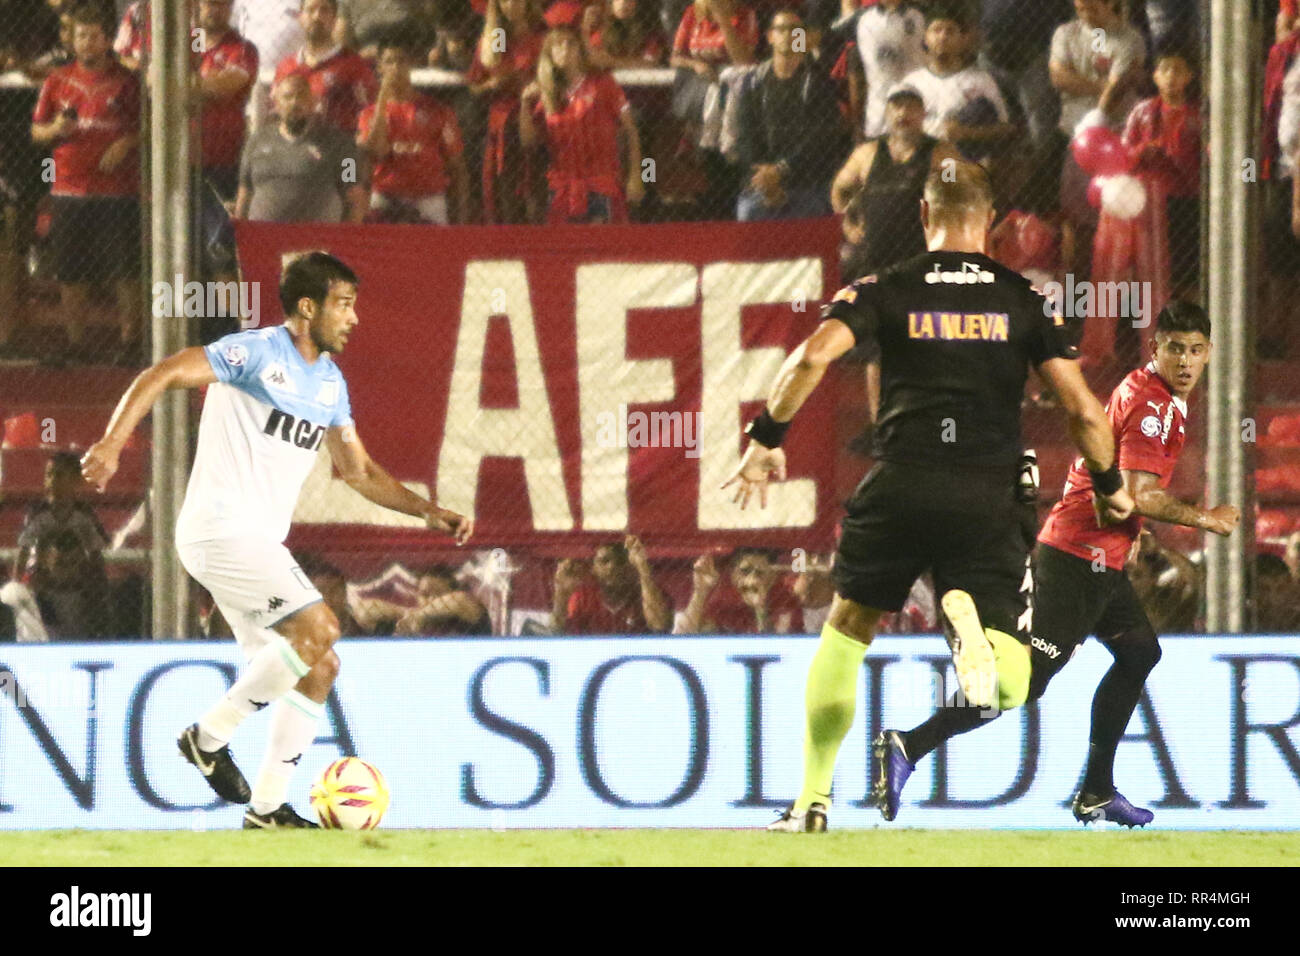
x,y
341,80
890,45
963,104
415,145
754,599
583,111
620,597
1160,246
90,113
505,60
620,35
60,509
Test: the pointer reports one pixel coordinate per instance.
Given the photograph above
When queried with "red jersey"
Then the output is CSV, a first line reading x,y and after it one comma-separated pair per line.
x,y
583,139
223,121
107,106
702,38
1176,130
342,82
589,614
133,33
1148,422
731,615
423,135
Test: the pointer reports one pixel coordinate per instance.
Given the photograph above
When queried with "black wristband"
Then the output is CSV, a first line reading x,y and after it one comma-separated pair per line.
x,y
767,431
1107,482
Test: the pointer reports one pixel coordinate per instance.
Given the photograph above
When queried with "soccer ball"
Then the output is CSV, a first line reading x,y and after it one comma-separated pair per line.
x,y
350,795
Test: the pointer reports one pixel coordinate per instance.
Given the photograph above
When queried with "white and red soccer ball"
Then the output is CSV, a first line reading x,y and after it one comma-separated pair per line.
x,y
350,795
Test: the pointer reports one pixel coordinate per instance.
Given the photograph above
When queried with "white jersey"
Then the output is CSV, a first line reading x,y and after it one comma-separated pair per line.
x,y
890,46
947,96
262,426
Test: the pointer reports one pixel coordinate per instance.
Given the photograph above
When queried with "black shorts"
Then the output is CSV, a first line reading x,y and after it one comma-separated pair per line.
x,y
95,238
965,527
1071,601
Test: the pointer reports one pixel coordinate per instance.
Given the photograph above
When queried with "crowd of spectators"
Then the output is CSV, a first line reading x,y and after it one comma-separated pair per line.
x,y
525,123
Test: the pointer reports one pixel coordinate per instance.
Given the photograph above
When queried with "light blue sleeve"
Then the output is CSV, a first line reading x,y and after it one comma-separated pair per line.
x,y
343,409
237,358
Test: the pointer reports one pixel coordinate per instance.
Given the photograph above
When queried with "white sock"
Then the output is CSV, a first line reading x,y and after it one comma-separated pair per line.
x,y
293,727
273,671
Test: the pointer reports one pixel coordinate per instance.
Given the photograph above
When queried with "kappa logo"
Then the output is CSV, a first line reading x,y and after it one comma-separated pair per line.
x,y
274,603
970,274
276,376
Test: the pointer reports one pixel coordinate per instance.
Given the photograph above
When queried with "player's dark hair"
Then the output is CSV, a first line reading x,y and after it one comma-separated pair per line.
x,y
309,275
1166,51
957,190
955,12
1179,316
741,554
333,5
66,462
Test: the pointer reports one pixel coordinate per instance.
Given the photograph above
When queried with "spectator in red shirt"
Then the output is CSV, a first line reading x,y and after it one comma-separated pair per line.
x,y
754,599
90,113
622,35
341,79
620,597
132,39
583,111
712,34
227,68
505,59
415,145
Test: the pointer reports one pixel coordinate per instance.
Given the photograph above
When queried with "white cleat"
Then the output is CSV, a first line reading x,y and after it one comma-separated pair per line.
x,y
812,820
972,654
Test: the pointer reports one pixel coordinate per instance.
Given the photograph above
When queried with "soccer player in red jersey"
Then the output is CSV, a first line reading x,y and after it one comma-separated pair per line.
x,y
1080,586
583,111
415,145
341,79
620,597
89,112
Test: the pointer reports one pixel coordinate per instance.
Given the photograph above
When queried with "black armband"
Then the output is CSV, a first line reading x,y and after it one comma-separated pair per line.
x,y
767,431
1107,482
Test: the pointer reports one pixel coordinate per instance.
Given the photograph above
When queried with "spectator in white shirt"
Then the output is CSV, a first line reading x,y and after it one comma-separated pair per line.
x,y
890,37
963,104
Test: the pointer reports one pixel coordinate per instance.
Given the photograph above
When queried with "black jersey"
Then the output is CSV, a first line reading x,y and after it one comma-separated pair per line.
x,y
956,333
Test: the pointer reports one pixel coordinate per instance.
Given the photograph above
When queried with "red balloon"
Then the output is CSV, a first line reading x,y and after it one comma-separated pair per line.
x,y
1094,193
1100,152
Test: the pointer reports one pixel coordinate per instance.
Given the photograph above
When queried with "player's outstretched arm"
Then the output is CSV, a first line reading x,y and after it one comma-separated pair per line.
x,y
1152,501
801,372
188,368
1091,433
364,476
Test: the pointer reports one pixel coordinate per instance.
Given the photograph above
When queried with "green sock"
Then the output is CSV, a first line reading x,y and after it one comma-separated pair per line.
x,y
829,700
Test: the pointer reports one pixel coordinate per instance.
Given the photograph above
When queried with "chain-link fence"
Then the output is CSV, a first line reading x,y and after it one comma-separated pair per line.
x,y
684,115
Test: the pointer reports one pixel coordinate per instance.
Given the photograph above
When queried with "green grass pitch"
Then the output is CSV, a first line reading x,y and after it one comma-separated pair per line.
x,y
891,847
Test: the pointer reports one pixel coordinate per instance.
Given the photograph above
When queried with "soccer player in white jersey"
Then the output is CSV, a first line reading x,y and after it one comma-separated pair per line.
x,y
274,396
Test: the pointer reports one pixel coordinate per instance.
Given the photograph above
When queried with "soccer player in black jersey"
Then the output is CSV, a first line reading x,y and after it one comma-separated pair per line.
x,y
957,334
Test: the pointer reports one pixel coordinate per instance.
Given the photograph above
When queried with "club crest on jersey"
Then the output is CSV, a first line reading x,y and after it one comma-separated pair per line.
x,y
275,376
235,354
295,431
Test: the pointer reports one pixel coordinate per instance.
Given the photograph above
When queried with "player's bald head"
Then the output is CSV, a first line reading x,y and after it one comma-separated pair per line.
x,y
958,193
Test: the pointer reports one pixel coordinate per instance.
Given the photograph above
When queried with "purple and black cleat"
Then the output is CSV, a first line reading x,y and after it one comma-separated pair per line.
x,y
894,770
1089,809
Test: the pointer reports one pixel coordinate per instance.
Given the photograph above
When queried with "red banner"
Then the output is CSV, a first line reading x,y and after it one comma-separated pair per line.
x,y
564,384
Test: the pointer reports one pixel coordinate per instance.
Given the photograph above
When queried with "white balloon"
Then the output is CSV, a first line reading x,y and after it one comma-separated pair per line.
x,y
1123,197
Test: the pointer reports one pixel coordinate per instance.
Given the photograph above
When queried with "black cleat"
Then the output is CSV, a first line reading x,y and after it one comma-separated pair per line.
x,y
285,818
812,820
217,767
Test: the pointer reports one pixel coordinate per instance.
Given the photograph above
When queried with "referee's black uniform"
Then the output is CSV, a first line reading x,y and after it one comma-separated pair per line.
x,y
957,333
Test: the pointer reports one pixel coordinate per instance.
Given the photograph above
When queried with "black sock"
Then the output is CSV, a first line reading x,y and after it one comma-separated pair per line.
x,y
945,723
1112,706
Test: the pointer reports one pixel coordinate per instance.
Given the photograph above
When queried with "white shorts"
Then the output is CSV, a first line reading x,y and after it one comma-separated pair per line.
x,y
256,584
